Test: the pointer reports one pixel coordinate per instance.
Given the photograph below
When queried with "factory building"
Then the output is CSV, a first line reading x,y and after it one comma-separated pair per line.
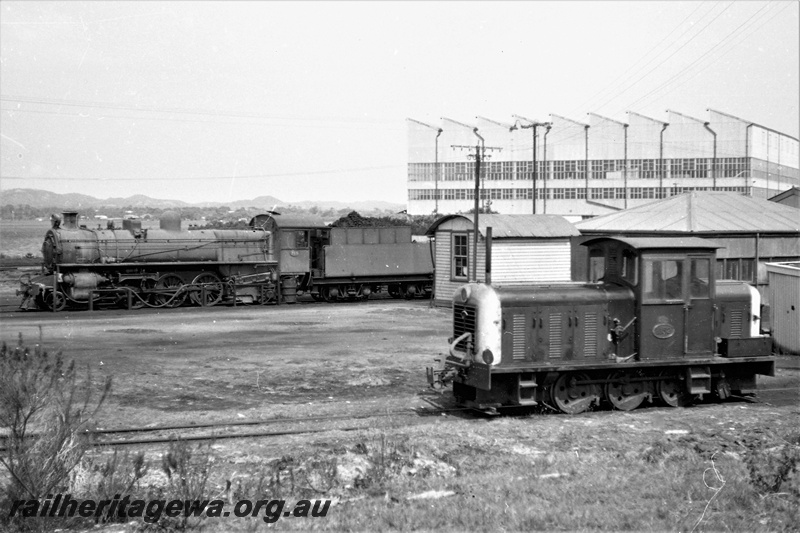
x,y
580,170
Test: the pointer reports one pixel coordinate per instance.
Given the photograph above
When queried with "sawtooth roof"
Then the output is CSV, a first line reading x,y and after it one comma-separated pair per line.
x,y
699,212
516,226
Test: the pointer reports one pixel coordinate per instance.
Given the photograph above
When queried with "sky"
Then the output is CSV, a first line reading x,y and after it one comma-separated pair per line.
x,y
224,101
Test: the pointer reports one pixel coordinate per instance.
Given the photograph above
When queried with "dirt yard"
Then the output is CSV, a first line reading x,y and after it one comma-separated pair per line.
x,y
646,469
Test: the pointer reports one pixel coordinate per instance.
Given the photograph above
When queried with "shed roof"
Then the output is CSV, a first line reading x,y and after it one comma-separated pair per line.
x,y
516,226
699,212
653,243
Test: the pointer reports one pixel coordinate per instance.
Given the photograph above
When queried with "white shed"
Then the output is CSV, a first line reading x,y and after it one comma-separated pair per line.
x,y
525,249
784,298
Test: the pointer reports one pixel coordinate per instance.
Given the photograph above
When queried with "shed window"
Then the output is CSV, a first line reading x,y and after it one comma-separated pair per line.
x,y
460,256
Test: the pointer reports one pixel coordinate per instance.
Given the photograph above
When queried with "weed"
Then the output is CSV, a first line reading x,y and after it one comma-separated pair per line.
x,y
45,410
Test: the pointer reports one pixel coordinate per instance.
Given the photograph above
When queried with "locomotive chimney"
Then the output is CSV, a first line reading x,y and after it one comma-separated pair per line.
x,y
69,220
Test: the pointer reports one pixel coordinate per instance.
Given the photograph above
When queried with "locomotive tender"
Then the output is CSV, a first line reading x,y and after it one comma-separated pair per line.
x,y
656,325
268,263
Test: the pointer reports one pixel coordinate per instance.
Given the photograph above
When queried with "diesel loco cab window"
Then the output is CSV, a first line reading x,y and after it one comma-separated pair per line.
x,y
597,265
629,267
699,278
460,256
663,280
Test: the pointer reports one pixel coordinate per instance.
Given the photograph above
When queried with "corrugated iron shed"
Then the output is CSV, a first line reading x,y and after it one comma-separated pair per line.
x,y
649,243
516,226
699,212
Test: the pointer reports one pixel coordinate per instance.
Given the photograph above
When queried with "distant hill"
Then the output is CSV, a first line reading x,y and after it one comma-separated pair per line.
x,y
41,199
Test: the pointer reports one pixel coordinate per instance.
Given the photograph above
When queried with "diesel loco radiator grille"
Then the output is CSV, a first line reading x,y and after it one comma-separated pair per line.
x,y
555,335
518,336
590,335
736,324
464,319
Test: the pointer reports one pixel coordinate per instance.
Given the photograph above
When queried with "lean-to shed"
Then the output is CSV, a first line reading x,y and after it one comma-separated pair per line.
x,y
784,297
525,249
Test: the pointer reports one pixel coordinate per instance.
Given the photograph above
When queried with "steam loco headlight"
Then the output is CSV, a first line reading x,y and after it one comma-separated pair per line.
x,y
488,356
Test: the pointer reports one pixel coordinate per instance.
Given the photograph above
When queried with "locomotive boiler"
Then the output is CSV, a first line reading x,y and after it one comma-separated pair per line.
x,y
274,260
137,267
656,326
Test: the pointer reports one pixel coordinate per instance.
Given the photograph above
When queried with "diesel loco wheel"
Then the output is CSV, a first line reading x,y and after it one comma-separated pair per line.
x,y
213,290
624,394
670,390
573,397
170,284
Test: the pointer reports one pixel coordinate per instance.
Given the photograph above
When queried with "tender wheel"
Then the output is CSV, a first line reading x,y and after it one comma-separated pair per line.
x,y
572,397
53,301
670,390
394,291
213,290
624,394
171,284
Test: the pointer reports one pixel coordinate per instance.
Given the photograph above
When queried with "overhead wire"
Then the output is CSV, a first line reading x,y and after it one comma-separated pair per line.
x,y
613,85
197,178
727,41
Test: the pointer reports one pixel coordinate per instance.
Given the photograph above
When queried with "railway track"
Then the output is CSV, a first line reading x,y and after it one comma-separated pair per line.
x,y
279,427
287,426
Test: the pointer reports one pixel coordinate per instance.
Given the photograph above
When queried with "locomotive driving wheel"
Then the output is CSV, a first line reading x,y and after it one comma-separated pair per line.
x,y
624,394
53,301
571,396
213,290
172,296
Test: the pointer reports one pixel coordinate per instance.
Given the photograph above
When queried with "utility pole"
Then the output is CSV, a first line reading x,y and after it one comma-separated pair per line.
x,y
533,124
479,156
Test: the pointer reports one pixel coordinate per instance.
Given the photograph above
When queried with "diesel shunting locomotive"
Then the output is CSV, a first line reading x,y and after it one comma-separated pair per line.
x,y
656,326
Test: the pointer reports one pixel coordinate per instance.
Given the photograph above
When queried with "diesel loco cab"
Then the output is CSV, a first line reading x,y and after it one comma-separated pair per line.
x,y
655,325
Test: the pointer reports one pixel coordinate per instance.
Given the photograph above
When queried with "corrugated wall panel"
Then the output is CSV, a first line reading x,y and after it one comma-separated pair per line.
x,y
784,291
524,262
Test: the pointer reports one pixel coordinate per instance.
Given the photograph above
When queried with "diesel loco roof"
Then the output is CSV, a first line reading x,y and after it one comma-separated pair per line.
x,y
570,292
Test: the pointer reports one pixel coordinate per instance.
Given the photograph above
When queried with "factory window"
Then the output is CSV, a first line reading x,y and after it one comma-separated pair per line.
x,y
558,194
508,194
524,194
460,256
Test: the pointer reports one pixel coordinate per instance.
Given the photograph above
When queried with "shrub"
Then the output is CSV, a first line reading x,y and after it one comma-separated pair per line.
x,y
45,411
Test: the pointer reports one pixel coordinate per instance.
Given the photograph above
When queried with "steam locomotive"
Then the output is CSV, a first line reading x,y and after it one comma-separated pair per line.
x,y
274,260
656,326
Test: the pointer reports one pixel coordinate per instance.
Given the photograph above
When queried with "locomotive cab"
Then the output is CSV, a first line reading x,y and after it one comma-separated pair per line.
x,y
674,288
